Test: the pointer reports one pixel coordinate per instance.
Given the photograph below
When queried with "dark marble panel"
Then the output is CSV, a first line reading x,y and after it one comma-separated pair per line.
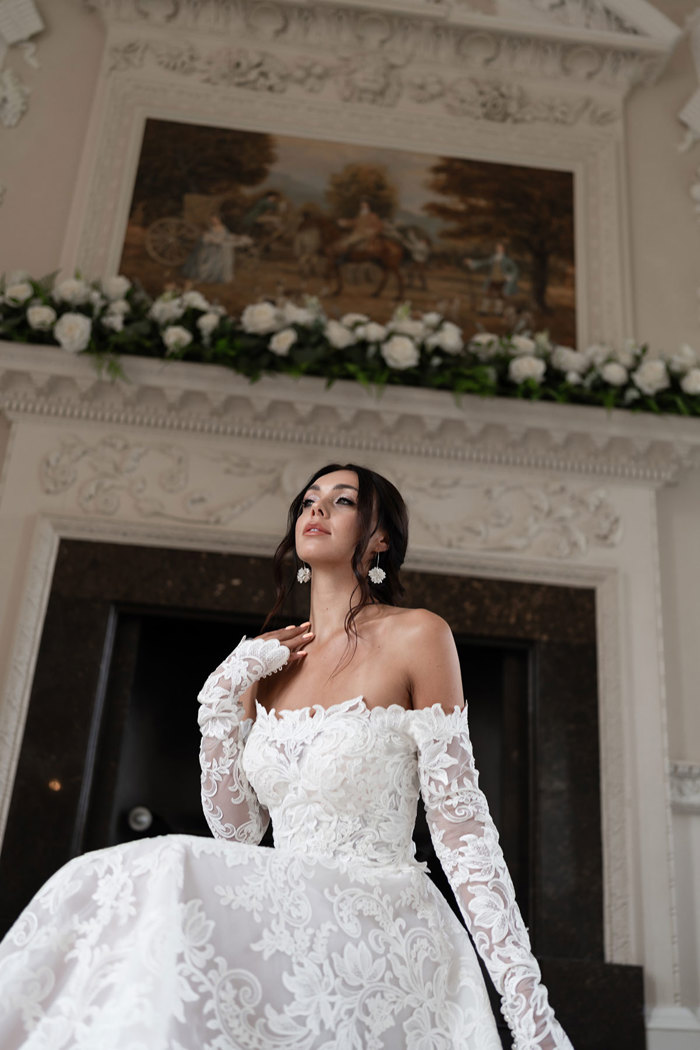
x,y
567,869
506,609
600,1005
49,778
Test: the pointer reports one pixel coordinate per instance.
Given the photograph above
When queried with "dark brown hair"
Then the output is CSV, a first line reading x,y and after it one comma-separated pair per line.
x,y
376,498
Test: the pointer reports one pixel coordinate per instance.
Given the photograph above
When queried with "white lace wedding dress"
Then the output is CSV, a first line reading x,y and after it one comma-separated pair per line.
x,y
334,939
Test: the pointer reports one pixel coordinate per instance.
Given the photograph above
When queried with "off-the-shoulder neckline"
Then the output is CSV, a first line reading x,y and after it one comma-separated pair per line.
x,y
310,711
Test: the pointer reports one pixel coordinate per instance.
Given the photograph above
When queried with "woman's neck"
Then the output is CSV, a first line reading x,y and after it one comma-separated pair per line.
x,y
331,592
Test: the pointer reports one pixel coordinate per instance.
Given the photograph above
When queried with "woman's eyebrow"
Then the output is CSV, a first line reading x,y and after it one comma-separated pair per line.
x,y
317,488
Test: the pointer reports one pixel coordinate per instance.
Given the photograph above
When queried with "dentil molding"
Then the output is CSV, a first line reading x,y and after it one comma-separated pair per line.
x,y
171,397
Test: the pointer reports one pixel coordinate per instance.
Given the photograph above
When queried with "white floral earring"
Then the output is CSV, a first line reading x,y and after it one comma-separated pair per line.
x,y
376,574
304,574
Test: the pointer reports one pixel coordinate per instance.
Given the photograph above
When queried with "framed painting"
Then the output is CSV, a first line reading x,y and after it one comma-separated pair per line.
x,y
244,215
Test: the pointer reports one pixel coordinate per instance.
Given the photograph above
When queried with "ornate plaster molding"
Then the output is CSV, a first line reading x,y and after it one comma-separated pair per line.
x,y
615,44
117,475
374,46
685,787
204,399
16,28
376,79
552,520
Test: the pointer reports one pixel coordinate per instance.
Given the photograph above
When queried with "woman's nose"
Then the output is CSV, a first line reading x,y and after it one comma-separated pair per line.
x,y
317,509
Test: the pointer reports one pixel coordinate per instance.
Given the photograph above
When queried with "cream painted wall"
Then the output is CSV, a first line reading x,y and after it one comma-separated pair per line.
x,y
39,158
664,233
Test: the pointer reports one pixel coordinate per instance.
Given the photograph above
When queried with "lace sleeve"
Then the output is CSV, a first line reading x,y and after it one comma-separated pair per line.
x,y
230,805
466,843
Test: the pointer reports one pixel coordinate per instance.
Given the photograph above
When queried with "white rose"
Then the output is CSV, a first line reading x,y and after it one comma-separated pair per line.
x,y
447,338
119,306
626,354
567,360
351,319
526,367
339,336
597,353
408,326
651,376
522,344
683,359
614,373
372,332
73,332
113,321
41,317
18,293
293,314
260,318
72,291
176,337
573,378
400,352
432,319
690,383
116,287
208,322
194,300
484,345
281,342
167,308
96,300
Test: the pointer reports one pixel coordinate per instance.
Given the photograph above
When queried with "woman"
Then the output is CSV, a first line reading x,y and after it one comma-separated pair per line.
x,y
336,938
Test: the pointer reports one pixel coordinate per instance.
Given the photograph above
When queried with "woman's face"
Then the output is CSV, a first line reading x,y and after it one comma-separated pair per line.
x,y
328,526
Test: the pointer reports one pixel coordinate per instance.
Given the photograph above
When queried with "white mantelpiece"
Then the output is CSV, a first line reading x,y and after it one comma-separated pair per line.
x,y
187,455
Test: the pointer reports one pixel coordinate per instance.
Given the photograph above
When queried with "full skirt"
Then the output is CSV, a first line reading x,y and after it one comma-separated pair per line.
x,y
186,943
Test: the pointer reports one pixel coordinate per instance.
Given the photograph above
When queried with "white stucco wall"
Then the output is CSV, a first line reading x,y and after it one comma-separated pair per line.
x,y
39,158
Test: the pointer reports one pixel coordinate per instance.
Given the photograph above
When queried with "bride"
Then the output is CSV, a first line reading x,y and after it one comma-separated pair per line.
x,y
336,938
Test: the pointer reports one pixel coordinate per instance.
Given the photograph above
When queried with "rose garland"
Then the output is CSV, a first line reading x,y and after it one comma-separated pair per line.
x,y
114,317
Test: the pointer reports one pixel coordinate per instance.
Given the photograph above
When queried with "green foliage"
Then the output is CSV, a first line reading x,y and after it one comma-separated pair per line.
x,y
116,319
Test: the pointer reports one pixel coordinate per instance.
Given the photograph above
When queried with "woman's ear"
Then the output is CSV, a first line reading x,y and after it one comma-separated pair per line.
x,y
382,542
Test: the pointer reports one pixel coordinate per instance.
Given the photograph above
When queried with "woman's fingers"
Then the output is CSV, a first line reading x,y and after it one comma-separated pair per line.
x,y
293,636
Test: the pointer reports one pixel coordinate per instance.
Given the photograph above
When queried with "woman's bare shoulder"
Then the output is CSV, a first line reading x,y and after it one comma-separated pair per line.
x,y
417,624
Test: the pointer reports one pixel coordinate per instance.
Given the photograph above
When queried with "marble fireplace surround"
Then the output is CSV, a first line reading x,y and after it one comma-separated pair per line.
x,y
193,456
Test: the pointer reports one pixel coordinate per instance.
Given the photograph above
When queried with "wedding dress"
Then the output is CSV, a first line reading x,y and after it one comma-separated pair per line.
x,y
336,938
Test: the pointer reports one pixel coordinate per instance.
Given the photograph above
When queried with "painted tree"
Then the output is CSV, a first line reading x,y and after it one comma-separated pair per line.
x,y
358,182
179,159
530,210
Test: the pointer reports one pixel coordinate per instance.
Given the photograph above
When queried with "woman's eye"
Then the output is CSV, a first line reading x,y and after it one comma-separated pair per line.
x,y
306,502
346,499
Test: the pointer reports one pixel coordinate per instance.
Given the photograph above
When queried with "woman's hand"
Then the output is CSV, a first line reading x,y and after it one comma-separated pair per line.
x,y
294,638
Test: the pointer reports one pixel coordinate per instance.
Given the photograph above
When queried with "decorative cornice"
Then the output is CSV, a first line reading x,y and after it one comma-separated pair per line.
x,y
685,787
178,396
372,79
588,43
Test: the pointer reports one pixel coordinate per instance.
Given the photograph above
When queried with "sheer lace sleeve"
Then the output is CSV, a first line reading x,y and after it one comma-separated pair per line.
x,y
229,802
466,842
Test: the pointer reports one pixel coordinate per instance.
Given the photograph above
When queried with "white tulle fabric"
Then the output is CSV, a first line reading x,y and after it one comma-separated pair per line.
x,y
334,939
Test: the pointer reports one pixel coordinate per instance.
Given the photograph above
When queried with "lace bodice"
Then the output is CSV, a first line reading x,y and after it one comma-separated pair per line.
x,y
343,781
340,781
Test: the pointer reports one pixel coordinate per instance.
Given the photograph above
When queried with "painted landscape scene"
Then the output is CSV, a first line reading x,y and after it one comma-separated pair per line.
x,y
244,216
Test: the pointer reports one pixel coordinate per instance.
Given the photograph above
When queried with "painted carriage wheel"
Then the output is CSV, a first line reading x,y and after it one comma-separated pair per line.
x,y
169,241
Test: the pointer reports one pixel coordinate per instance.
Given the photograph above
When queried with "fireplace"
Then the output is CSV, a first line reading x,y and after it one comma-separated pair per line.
x,y
110,744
